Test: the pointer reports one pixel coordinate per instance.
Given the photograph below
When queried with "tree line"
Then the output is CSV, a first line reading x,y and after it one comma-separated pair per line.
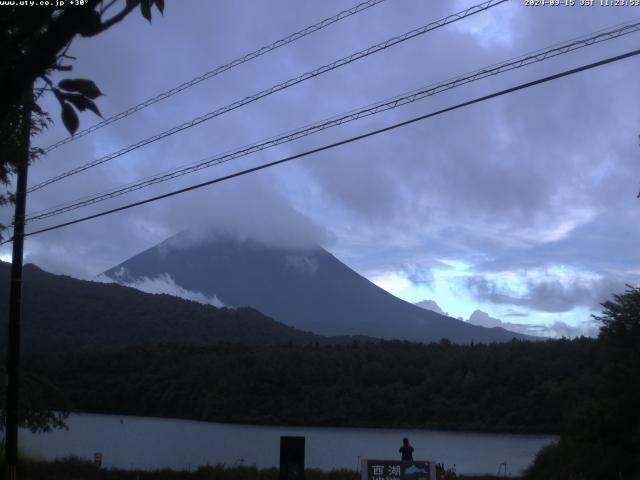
x,y
518,386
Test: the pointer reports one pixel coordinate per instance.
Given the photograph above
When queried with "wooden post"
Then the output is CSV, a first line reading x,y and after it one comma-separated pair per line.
x,y
15,296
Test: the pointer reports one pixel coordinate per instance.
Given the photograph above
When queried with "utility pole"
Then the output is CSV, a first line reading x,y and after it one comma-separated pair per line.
x,y
15,293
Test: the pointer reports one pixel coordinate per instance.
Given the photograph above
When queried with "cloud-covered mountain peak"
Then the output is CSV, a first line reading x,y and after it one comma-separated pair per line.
x,y
302,285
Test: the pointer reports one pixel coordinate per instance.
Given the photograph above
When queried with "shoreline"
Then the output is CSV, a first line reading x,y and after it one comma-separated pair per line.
x,y
269,423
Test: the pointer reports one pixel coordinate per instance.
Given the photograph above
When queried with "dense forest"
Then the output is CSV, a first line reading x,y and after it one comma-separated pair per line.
x,y
517,386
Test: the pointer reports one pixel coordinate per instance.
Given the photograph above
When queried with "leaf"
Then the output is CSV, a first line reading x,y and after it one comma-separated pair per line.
x,y
82,103
160,5
70,118
145,8
81,85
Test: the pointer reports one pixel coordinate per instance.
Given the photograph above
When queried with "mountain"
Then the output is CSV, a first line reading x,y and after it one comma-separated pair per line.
x,y
60,313
307,288
559,329
430,305
482,319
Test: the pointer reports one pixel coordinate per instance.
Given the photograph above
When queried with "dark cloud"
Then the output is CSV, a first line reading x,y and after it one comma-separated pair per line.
x,y
556,329
420,273
419,277
549,295
264,216
513,313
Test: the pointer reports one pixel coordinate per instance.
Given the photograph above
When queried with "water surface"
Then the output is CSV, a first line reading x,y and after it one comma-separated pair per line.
x,y
152,443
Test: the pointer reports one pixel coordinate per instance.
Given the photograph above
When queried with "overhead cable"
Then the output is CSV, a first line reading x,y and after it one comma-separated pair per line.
x,y
389,104
218,70
337,144
276,88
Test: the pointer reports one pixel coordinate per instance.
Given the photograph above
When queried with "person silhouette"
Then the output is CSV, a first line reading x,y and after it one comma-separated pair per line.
x,y
406,451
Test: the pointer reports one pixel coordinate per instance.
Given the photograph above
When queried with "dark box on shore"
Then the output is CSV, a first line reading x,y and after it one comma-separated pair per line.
x,y
291,458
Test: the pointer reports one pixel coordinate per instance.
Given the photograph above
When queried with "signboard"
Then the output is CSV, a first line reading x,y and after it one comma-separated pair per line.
x,y
398,470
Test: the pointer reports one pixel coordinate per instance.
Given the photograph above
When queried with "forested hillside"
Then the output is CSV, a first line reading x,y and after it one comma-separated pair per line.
x,y
61,314
517,386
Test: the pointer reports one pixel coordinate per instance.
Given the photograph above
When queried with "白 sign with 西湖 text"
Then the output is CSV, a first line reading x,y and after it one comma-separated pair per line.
x,y
397,470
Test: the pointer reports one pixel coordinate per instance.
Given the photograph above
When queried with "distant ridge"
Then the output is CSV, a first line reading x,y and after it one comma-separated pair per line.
x,y
63,314
306,288
430,305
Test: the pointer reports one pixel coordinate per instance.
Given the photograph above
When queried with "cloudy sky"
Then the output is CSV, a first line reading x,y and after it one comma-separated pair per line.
x,y
523,206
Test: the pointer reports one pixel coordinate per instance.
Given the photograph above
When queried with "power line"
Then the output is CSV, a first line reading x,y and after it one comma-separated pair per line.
x,y
281,86
521,86
395,102
218,70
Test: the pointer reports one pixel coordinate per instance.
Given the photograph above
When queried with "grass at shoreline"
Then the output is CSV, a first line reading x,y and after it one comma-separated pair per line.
x,y
79,469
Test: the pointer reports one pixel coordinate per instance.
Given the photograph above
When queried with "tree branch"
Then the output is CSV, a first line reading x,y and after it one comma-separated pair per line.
x,y
115,19
104,8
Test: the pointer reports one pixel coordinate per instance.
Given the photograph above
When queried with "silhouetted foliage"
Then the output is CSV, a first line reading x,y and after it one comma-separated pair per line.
x,y
35,41
36,394
601,437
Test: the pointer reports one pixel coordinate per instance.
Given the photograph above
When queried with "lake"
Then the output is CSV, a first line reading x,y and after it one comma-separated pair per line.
x,y
153,443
